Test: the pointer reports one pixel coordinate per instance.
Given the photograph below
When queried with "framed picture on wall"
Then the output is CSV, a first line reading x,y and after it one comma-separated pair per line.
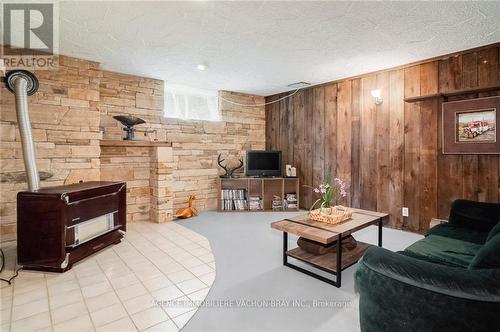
x,y
471,126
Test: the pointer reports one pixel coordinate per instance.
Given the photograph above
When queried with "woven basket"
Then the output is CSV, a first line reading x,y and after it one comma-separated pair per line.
x,y
338,215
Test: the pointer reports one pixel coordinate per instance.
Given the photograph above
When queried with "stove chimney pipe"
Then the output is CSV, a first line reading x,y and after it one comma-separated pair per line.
x,y
23,84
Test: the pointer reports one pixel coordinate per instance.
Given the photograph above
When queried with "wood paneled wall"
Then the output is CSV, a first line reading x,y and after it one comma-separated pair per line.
x,y
390,154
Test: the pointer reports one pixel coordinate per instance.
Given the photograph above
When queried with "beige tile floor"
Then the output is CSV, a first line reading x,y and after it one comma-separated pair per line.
x,y
154,280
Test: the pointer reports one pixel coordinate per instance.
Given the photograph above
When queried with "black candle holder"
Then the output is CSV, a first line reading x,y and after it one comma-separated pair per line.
x,y
129,122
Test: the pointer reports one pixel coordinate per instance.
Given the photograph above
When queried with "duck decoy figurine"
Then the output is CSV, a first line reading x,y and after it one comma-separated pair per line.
x,y
190,211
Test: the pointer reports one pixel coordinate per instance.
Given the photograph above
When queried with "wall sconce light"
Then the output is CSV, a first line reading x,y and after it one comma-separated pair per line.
x,y
377,96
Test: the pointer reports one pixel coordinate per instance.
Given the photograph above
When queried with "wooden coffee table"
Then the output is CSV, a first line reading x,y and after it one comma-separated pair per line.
x,y
333,262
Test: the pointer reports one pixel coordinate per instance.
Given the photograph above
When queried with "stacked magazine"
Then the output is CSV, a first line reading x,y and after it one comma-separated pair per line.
x,y
254,203
277,203
291,201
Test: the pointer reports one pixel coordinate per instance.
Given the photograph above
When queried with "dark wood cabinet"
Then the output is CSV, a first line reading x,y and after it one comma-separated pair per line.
x,y
58,226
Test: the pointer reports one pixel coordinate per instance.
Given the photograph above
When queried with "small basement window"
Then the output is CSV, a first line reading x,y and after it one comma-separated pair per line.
x,y
188,103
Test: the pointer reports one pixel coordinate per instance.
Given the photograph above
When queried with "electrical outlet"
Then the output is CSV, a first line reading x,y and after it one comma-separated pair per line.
x,y
405,212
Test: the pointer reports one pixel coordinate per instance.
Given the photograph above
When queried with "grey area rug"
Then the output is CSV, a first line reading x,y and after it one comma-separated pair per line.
x,y
253,291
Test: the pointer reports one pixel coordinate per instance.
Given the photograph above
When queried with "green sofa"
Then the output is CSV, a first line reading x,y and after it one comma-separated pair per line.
x,y
448,281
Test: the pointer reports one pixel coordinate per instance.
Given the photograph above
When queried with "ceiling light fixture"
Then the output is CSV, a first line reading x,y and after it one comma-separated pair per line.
x,y
377,96
201,67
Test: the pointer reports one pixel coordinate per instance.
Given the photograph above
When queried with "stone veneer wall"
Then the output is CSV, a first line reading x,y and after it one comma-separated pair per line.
x,y
195,144
65,121
77,101
148,173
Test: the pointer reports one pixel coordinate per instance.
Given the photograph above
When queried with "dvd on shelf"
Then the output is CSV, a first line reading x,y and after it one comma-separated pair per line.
x,y
233,199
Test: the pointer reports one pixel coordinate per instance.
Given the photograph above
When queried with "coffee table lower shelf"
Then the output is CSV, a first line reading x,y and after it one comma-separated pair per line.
x,y
328,262
333,263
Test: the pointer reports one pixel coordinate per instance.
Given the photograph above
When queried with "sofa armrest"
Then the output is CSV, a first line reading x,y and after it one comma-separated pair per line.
x,y
400,293
475,215
478,285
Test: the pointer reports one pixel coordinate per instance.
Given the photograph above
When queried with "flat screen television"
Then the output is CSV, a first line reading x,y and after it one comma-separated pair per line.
x,y
263,163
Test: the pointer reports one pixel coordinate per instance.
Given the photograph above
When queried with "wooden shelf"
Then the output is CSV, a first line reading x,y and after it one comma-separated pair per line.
x,y
263,210
445,95
133,143
265,188
329,261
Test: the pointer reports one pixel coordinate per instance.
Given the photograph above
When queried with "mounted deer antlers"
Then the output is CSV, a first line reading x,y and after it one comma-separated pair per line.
x,y
229,170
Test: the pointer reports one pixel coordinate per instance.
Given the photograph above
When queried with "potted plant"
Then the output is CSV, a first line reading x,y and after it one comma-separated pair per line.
x,y
331,192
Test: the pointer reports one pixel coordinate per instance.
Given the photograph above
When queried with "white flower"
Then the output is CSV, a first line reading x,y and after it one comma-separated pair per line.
x,y
316,190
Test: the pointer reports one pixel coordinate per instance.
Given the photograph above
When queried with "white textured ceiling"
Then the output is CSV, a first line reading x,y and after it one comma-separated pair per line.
x,y
261,47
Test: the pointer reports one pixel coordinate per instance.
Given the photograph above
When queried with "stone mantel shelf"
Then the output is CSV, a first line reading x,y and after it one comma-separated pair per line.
x,y
133,143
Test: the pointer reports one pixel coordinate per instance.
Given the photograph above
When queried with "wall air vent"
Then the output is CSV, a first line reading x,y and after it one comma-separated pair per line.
x,y
298,85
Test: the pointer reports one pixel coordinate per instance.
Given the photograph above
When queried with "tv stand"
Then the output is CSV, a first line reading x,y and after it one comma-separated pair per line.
x,y
244,194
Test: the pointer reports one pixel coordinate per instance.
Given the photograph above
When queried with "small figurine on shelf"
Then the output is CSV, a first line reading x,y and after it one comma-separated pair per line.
x,y
188,212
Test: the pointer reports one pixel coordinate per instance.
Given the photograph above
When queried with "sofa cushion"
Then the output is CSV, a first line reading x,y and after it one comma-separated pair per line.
x,y
488,257
474,215
444,250
494,231
459,232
